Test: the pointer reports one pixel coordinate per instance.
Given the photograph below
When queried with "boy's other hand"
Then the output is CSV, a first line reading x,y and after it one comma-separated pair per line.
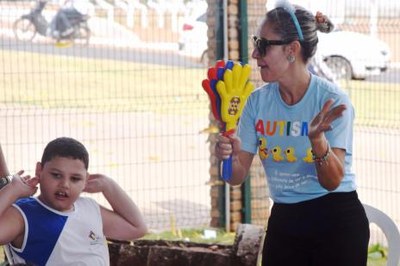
x,y
25,185
95,183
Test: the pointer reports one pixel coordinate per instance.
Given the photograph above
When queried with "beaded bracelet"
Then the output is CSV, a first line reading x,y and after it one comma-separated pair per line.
x,y
323,158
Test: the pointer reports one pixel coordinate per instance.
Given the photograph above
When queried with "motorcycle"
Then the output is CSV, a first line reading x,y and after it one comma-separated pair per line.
x,y
27,26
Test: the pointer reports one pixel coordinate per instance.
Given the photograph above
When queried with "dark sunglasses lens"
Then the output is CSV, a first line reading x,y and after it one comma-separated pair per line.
x,y
260,45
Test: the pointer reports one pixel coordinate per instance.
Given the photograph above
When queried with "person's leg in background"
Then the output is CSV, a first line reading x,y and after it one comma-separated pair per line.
x,y
62,22
71,15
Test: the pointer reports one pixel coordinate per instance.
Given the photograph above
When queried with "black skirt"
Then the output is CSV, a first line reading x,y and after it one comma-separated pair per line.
x,y
330,230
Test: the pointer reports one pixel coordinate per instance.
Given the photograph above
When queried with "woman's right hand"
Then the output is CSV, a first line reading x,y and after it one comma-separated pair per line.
x,y
227,146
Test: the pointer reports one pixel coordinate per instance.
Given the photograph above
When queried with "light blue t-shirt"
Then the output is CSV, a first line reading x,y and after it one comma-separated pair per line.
x,y
279,133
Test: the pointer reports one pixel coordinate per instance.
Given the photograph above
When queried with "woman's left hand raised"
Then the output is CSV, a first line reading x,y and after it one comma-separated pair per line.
x,y
322,122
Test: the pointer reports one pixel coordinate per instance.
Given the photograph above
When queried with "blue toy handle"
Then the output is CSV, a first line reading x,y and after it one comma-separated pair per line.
x,y
229,64
227,169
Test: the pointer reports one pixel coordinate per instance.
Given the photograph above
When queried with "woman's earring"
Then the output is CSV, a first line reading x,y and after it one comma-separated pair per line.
x,y
291,59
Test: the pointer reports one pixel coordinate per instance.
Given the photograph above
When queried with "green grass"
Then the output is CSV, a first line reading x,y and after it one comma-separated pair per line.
x,y
376,104
66,82
377,255
196,235
49,81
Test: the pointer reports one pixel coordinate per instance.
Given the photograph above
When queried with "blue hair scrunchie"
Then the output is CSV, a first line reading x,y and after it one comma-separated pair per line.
x,y
291,10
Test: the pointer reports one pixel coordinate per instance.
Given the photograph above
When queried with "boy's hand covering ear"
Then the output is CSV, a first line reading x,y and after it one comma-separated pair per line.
x,y
234,90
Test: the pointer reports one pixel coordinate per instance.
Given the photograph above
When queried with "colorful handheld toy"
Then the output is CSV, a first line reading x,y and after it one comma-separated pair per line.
x,y
228,88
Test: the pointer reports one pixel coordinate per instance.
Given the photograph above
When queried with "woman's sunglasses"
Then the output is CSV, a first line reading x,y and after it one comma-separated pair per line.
x,y
261,44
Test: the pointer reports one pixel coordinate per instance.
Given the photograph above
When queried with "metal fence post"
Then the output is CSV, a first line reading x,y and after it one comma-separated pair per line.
x,y
244,51
220,44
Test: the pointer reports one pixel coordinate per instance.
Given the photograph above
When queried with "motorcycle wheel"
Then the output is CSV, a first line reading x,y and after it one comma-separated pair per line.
x,y
24,29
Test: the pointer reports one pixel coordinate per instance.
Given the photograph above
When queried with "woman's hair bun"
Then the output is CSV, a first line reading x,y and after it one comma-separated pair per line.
x,y
324,24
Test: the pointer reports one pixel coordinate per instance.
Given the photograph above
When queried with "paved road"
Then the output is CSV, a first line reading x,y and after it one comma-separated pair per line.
x,y
99,50
392,75
377,169
161,160
136,158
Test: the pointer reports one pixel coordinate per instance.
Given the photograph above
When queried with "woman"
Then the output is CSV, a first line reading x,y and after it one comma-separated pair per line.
x,y
302,127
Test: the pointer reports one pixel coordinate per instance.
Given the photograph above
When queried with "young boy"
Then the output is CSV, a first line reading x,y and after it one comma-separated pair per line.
x,y
59,227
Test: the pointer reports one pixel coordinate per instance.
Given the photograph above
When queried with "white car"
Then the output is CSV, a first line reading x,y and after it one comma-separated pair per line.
x,y
353,55
348,54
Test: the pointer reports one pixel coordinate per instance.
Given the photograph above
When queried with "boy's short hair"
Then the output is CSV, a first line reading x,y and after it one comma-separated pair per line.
x,y
65,147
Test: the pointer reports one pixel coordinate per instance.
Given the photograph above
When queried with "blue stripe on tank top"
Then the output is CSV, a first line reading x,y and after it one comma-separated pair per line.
x,y
44,229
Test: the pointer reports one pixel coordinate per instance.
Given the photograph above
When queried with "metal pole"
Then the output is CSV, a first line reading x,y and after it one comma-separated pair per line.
x,y
227,186
244,58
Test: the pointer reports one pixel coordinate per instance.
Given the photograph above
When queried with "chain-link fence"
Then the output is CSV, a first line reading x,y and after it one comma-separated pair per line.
x,y
133,96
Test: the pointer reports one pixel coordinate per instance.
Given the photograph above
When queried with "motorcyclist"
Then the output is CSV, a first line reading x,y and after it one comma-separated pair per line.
x,y
70,10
